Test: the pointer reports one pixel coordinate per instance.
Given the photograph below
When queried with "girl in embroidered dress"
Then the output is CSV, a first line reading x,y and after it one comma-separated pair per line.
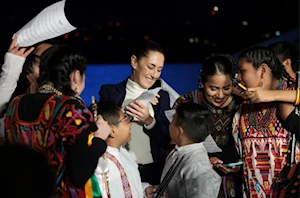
x,y
216,94
55,122
262,140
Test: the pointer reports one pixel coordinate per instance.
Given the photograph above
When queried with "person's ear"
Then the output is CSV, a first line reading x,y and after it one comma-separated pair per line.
x,y
263,69
180,133
134,62
112,131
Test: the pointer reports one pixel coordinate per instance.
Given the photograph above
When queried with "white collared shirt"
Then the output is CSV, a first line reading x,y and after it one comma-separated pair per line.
x,y
114,177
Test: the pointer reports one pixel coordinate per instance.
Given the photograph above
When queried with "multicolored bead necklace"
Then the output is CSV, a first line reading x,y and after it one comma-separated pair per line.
x,y
48,88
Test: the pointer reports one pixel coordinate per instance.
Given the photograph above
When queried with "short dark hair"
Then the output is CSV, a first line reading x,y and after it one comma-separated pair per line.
x,y
109,111
196,120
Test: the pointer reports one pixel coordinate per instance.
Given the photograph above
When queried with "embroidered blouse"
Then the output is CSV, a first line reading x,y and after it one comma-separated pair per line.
x,y
57,126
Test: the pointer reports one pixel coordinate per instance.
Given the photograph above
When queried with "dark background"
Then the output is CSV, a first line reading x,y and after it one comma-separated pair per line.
x,y
187,30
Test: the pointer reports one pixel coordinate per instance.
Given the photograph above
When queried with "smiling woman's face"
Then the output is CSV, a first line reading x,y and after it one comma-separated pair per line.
x,y
217,89
148,69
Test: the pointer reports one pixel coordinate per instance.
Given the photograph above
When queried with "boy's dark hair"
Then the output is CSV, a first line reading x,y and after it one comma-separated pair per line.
x,y
109,111
196,120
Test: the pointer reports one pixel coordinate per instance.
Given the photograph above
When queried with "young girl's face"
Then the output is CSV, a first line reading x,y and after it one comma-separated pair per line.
x,y
248,75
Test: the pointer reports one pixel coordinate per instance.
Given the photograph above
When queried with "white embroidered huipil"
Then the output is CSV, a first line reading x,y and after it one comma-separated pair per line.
x,y
114,177
195,177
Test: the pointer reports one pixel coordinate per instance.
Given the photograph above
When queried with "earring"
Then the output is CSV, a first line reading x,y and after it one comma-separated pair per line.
x,y
262,76
76,87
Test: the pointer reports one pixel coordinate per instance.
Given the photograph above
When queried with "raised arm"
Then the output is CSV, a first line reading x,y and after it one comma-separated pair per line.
x,y
11,70
259,94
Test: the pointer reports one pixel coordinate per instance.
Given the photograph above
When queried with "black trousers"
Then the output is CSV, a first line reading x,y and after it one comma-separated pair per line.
x,y
151,173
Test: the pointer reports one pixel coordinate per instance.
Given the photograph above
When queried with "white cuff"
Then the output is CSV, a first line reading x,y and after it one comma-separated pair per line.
x,y
145,185
150,126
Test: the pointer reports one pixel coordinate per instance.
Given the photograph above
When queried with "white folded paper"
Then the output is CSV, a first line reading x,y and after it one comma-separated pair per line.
x,y
49,23
172,93
147,96
209,143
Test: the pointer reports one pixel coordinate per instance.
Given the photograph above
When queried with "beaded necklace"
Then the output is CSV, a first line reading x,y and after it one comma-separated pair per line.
x,y
261,115
48,89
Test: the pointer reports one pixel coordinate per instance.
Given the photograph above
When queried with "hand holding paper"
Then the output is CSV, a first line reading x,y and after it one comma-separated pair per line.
x,y
49,23
138,108
147,96
154,100
15,49
139,111
209,143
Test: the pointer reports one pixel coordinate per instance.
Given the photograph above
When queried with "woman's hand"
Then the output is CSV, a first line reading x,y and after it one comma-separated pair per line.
x,y
226,170
260,94
140,111
103,128
216,162
17,50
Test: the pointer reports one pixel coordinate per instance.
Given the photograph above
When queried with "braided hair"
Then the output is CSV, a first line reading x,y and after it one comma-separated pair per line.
x,y
261,55
57,63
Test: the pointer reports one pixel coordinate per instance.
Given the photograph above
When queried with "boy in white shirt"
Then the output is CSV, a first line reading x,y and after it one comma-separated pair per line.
x,y
117,166
195,177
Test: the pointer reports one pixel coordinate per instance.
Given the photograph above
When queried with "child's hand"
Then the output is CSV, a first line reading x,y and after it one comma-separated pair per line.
x,y
150,190
154,100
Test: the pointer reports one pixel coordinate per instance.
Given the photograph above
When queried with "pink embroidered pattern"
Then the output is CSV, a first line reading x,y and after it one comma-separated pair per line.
x,y
125,182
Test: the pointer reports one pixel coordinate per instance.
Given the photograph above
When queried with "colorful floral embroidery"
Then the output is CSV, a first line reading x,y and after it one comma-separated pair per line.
x,y
61,120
